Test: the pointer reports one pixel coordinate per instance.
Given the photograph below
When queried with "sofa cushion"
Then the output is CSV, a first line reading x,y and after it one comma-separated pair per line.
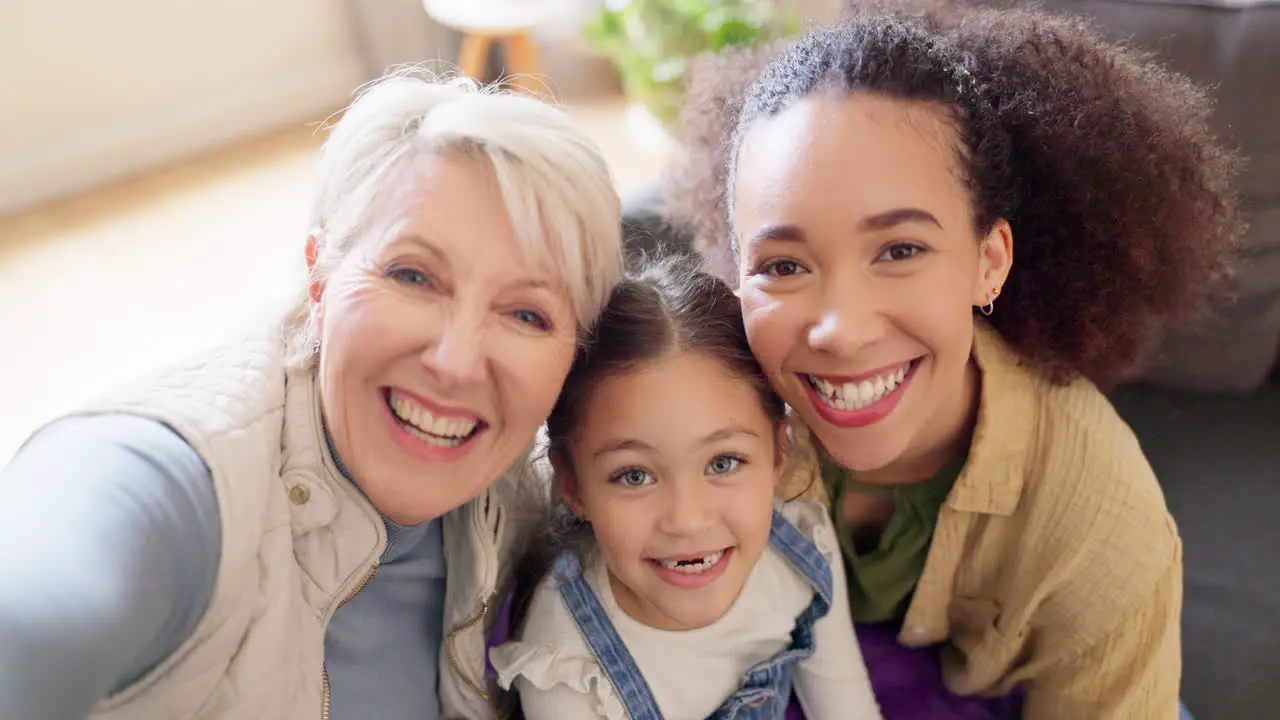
x,y
1218,460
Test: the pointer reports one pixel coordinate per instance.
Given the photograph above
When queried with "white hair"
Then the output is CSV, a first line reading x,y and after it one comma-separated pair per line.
x,y
555,184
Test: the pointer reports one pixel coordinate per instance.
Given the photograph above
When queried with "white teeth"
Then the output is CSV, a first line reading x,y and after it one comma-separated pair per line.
x,y
440,431
858,395
866,391
434,439
693,568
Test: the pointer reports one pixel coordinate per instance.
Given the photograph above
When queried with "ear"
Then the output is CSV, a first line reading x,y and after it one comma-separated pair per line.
x,y
995,260
315,287
567,485
782,452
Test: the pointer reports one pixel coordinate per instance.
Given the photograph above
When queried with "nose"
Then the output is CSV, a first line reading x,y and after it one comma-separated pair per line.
x,y
848,317
690,509
457,357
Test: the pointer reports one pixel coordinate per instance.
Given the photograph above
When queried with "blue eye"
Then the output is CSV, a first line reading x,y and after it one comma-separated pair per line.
x,y
409,276
723,464
532,319
633,478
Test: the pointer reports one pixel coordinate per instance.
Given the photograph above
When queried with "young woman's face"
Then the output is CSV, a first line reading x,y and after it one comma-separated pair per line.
x,y
859,270
675,466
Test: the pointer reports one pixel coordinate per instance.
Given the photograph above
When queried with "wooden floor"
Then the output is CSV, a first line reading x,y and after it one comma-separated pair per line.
x,y
97,289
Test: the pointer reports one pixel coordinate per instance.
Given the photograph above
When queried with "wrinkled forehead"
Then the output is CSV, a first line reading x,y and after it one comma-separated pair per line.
x,y
503,226
459,197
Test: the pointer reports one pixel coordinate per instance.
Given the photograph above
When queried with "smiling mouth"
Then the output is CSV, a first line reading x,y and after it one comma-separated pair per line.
x,y
863,393
433,429
691,566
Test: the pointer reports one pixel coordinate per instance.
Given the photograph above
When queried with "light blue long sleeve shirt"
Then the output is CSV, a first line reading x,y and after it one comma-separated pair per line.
x,y
109,548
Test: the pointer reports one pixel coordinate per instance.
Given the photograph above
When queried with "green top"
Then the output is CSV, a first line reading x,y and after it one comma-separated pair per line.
x,y
882,580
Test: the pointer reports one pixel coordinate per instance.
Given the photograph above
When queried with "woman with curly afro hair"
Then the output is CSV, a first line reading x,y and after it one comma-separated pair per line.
x,y
950,228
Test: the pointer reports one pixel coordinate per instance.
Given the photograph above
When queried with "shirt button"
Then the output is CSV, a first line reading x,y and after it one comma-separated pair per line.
x,y
299,494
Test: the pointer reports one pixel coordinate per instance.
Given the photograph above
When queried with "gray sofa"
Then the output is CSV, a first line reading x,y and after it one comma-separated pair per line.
x,y
1207,410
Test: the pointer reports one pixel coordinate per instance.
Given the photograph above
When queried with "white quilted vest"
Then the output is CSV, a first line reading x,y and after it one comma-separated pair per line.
x,y
297,540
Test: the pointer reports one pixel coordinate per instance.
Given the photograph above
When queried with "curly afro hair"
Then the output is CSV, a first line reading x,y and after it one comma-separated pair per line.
x,y
694,188
1103,163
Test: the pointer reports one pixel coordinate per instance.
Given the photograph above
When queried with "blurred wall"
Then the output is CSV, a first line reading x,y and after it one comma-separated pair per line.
x,y
96,90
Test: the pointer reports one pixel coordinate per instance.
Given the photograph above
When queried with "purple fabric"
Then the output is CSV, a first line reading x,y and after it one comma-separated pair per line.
x,y
501,631
907,681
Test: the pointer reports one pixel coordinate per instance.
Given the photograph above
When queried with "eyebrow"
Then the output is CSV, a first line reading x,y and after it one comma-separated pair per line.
x,y
898,216
633,444
879,221
425,244
782,233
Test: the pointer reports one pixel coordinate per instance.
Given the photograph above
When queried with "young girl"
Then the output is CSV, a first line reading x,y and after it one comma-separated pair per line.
x,y
680,589
950,229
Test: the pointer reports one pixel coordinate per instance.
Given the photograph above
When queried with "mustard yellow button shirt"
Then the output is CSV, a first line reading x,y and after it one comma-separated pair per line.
x,y
1055,565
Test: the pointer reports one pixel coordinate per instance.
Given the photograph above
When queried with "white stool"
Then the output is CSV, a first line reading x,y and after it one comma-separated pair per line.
x,y
507,22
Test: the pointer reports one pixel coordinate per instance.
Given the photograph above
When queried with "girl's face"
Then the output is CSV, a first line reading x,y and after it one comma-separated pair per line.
x,y
675,467
859,271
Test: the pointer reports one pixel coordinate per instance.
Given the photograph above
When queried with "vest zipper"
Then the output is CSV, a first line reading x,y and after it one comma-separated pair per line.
x,y
324,704
486,523
453,655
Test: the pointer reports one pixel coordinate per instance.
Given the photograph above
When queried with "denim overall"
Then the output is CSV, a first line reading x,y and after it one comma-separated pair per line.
x,y
766,689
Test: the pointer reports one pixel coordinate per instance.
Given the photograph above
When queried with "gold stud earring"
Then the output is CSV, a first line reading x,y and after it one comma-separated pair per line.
x,y
991,304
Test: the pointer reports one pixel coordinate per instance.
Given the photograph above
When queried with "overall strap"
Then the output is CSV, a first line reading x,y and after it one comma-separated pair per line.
x,y
608,647
803,555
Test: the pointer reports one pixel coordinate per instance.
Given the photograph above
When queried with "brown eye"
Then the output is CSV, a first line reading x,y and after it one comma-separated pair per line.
x,y
782,268
901,251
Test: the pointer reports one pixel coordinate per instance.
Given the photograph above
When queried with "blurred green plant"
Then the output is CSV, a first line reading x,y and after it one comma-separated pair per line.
x,y
650,42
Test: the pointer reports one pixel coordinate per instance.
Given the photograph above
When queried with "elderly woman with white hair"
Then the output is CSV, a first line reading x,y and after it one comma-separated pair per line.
x,y
312,521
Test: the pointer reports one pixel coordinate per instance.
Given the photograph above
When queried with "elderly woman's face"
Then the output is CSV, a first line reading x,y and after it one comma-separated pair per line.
x,y
442,346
